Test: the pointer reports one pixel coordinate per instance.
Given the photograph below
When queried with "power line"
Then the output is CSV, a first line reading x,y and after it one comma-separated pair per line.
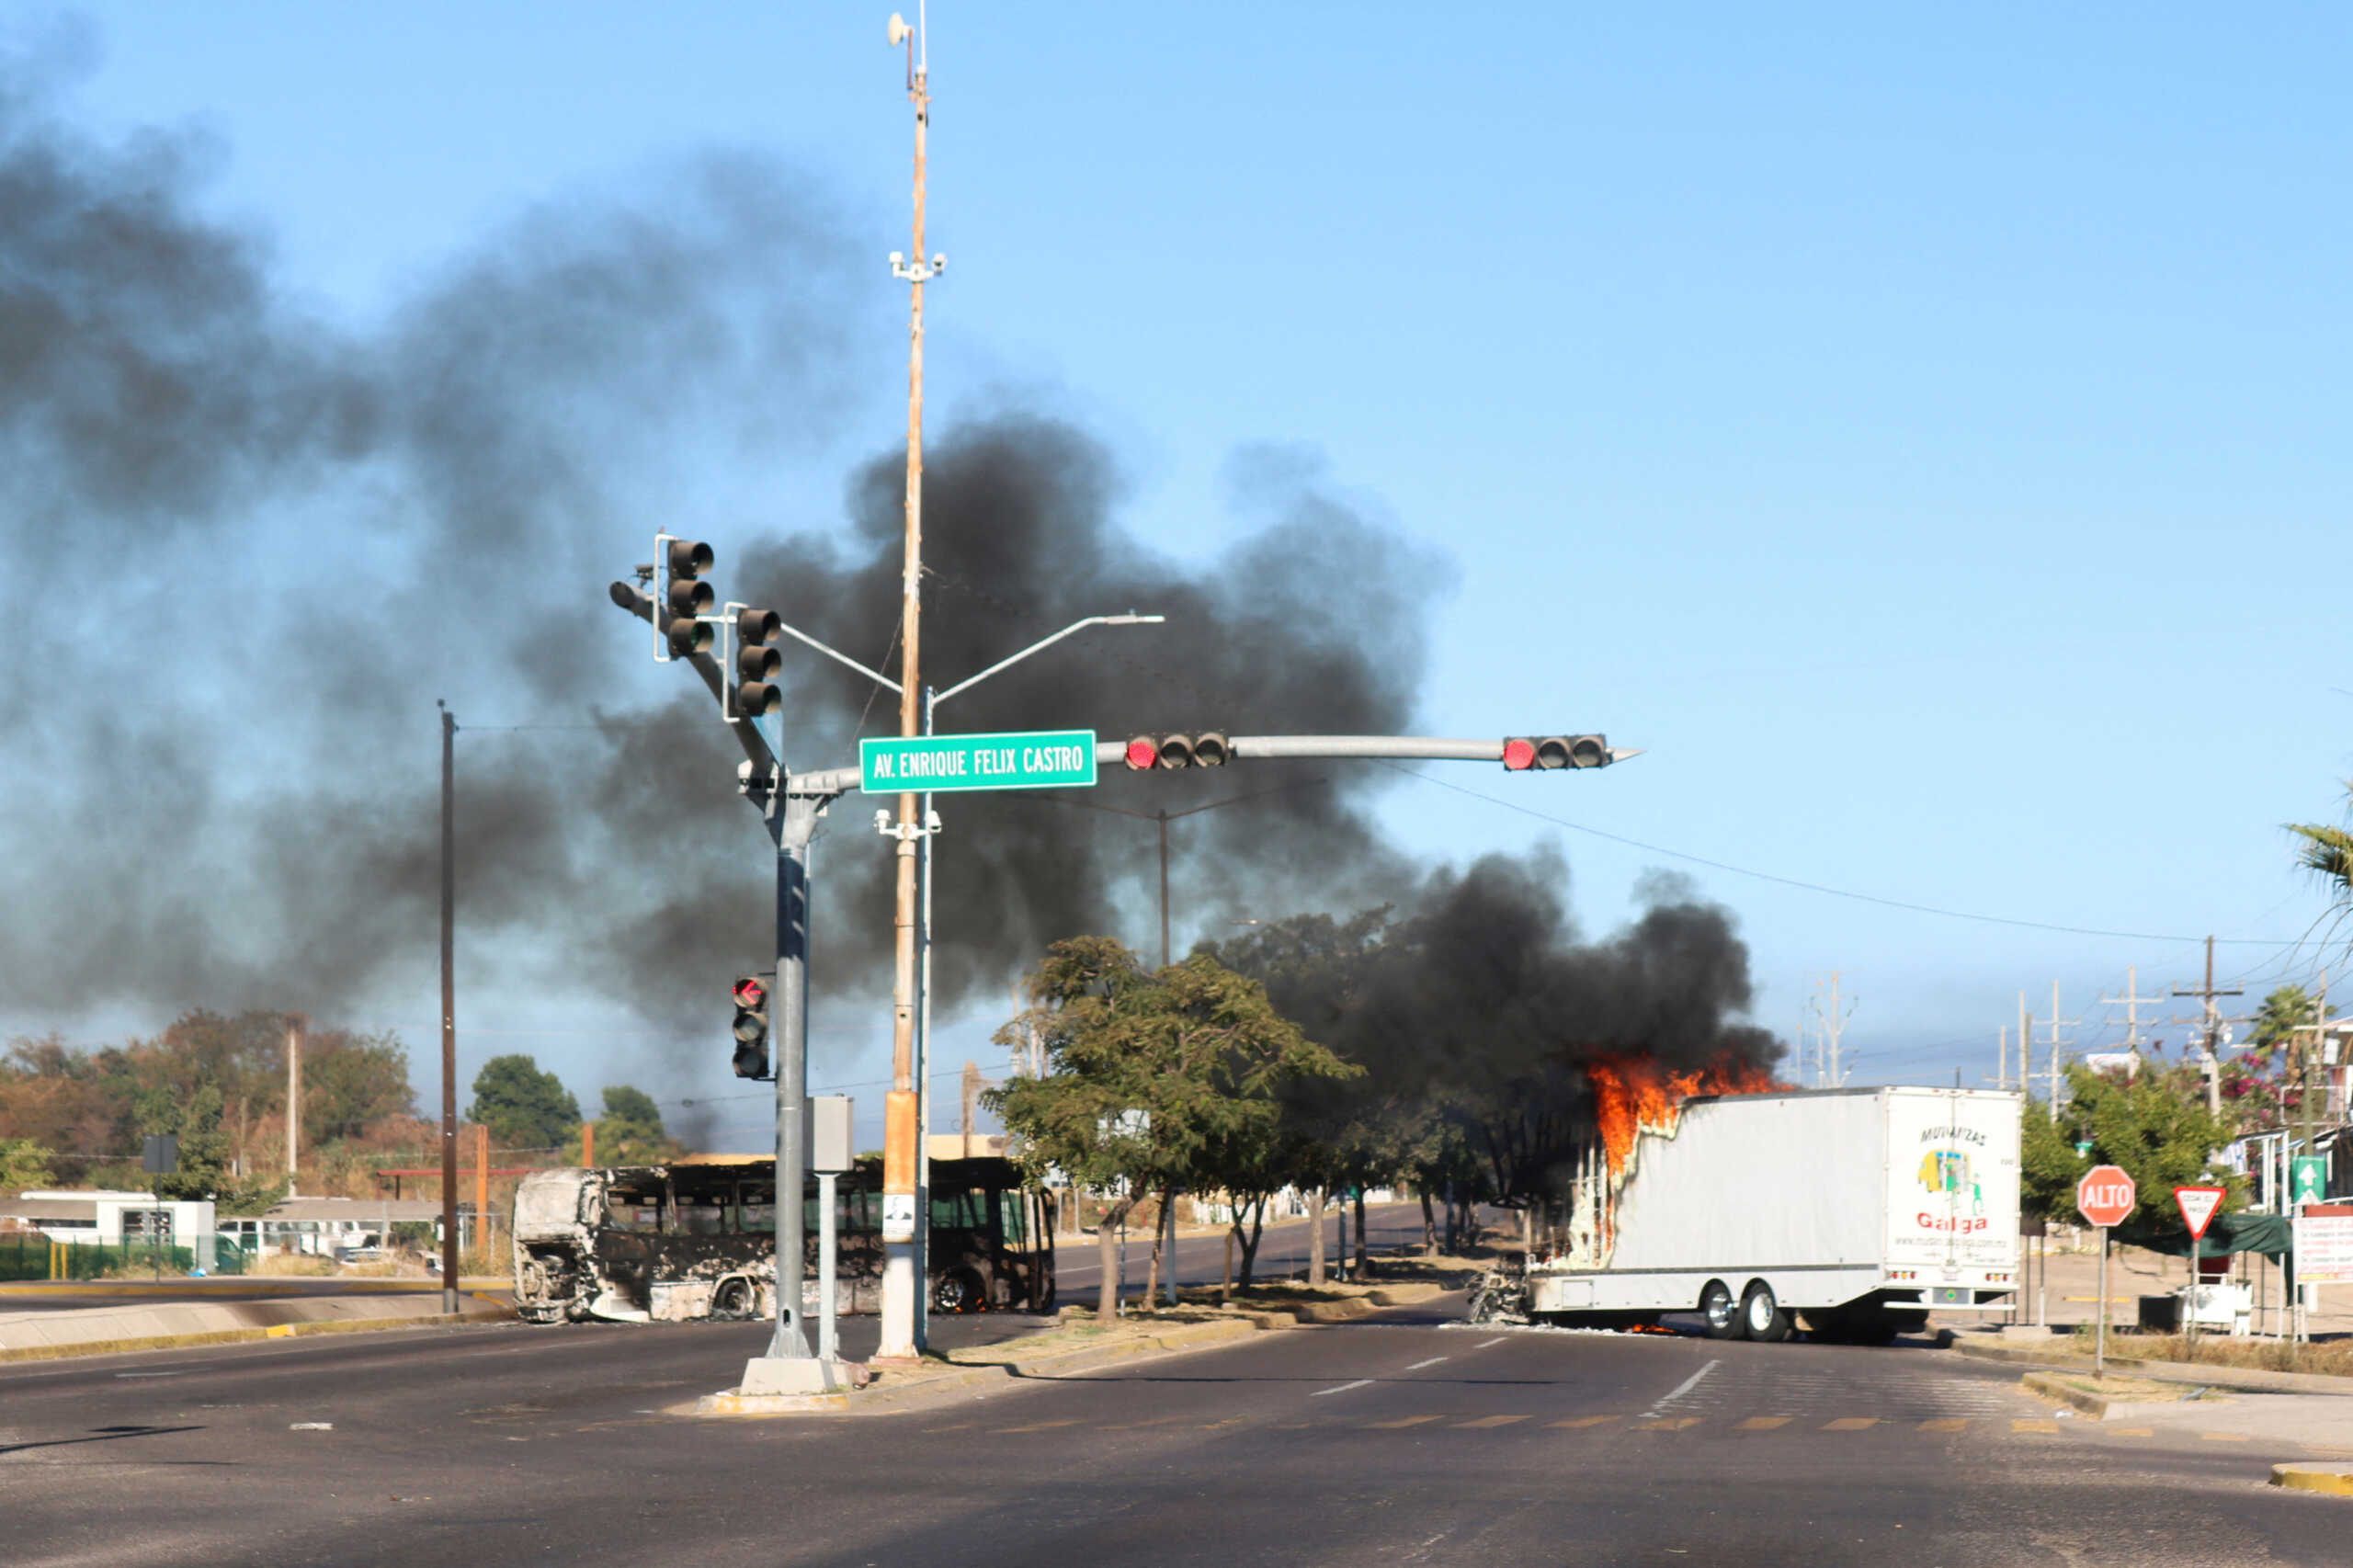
x,y
1820,887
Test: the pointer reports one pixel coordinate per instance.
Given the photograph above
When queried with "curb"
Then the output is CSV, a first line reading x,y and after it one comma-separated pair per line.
x,y
2092,1404
2335,1479
2240,1380
239,1335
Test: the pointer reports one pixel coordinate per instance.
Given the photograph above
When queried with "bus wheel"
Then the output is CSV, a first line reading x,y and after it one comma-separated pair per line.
x,y
734,1301
1761,1316
1717,1306
959,1291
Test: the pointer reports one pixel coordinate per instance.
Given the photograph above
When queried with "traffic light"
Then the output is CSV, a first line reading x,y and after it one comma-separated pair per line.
x,y
1524,752
686,595
751,1028
758,659
1208,749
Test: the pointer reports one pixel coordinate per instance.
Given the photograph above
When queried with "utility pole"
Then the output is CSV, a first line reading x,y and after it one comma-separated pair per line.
x,y
294,1030
2055,1043
2131,1002
1833,1025
2211,1022
448,1013
2002,1057
901,1134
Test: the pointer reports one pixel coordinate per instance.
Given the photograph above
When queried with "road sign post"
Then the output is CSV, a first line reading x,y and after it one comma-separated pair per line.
x,y
2104,1197
2197,1206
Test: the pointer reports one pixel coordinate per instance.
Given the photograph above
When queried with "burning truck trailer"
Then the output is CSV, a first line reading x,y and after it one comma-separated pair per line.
x,y
1851,1213
695,1241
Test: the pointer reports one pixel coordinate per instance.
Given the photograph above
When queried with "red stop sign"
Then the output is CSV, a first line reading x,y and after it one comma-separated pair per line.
x,y
2105,1196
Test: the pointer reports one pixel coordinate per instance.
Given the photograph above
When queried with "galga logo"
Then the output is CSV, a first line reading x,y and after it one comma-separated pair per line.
x,y
1952,1171
1961,1223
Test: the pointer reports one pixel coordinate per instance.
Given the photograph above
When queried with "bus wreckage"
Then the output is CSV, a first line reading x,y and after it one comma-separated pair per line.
x,y
695,1241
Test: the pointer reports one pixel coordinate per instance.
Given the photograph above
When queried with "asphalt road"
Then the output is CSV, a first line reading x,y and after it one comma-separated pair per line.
x,y
1393,1440
1201,1260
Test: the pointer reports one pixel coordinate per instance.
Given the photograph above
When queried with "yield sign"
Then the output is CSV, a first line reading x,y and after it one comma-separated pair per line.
x,y
2105,1196
2197,1206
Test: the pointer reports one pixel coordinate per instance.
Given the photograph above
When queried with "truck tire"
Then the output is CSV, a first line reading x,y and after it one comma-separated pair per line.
x,y
1722,1312
1761,1317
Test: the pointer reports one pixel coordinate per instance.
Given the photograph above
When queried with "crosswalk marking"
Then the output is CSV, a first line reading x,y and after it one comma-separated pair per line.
x,y
1491,1421
1408,1421
2034,1426
1582,1421
1763,1423
1946,1426
1669,1424
1850,1423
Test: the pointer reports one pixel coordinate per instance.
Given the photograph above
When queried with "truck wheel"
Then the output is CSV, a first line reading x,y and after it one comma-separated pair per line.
x,y
1761,1317
1717,1306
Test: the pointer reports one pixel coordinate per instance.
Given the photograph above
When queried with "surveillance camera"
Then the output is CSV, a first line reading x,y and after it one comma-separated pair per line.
x,y
940,264
898,259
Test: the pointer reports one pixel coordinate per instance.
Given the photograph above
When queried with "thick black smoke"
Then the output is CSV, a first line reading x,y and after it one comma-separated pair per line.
x,y
1479,1001
267,542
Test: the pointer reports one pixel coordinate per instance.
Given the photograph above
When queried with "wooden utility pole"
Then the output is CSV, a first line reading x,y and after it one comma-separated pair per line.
x,y
972,1085
902,1134
2210,1023
448,1013
295,1026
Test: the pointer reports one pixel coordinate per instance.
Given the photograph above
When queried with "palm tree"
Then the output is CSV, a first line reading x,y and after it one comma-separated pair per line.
x,y
2327,851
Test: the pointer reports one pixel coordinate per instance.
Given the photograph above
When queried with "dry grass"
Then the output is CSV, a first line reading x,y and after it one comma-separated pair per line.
x,y
293,1266
2222,1350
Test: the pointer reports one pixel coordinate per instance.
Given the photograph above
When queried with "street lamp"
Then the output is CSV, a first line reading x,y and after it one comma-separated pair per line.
x,y
905,1294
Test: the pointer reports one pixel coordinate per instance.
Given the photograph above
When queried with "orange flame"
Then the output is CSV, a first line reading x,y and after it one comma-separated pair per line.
x,y
1633,1094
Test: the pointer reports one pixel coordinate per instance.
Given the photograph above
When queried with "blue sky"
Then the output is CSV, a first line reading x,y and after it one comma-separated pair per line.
x,y
1923,431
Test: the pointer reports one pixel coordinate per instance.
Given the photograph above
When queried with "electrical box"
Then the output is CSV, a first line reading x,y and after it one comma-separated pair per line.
x,y
831,1149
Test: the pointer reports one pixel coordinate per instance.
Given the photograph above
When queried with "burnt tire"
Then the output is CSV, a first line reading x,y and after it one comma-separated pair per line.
x,y
959,1291
1761,1317
734,1300
1718,1311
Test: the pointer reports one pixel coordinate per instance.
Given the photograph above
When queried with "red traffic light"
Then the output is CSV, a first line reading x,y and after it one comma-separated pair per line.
x,y
750,992
1523,752
1143,752
1519,754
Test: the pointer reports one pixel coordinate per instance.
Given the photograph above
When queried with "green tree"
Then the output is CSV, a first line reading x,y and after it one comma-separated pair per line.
x,y
2154,1125
523,1108
24,1164
2327,853
204,1166
1155,1080
631,1130
351,1081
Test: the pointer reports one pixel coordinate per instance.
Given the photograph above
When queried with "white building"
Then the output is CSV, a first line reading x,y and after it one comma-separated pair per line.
x,y
101,1214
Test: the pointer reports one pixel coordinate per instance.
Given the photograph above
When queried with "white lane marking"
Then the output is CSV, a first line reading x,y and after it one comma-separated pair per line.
x,y
310,1426
1431,1362
1685,1386
1344,1388
1497,1340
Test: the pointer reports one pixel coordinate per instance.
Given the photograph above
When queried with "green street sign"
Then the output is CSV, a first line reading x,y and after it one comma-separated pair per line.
x,y
2308,1180
1035,759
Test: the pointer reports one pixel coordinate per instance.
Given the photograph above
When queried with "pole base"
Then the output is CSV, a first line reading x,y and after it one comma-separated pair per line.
x,y
799,1375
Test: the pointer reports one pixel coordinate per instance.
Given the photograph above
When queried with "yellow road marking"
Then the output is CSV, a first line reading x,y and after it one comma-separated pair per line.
x,y
1124,1426
1850,1423
1763,1423
1583,1421
2034,1426
2224,1437
2129,1431
1408,1421
1672,1424
1490,1421
1946,1426
1036,1426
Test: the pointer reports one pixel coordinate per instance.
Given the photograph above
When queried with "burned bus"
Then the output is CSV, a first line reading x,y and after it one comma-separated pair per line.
x,y
697,1241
